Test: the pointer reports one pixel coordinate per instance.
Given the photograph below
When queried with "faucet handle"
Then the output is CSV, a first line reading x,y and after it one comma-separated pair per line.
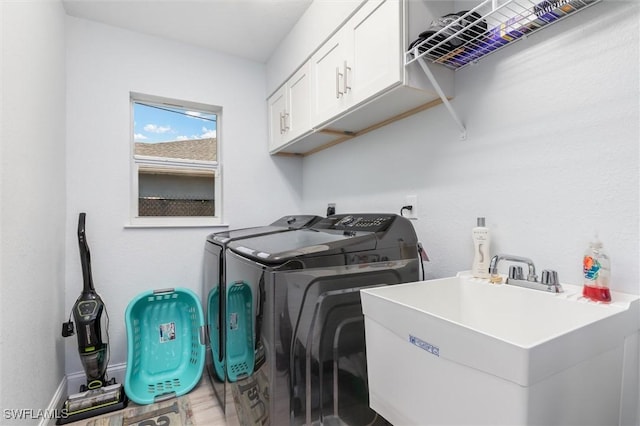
x,y
549,277
515,272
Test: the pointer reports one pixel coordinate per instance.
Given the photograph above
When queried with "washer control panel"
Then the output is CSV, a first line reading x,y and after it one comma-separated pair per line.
x,y
357,222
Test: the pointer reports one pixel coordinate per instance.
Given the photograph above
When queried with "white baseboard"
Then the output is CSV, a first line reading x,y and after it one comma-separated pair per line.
x,y
56,402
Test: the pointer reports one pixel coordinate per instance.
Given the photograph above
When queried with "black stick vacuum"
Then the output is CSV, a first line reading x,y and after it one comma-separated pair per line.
x,y
99,395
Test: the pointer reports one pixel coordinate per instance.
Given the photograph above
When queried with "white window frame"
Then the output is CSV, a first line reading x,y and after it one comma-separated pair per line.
x,y
171,163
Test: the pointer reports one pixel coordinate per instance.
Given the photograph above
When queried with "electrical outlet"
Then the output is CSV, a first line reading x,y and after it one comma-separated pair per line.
x,y
411,200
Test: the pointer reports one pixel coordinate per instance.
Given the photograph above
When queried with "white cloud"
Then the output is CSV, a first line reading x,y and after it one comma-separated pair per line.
x,y
182,138
154,128
208,133
139,137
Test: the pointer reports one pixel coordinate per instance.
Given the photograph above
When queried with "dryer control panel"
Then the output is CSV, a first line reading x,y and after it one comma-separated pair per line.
x,y
357,222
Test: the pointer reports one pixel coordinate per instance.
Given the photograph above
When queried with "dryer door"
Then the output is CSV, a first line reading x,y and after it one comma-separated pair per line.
x,y
328,376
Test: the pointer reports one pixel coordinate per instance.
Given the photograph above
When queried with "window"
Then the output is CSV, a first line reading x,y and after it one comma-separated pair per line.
x,y
175,162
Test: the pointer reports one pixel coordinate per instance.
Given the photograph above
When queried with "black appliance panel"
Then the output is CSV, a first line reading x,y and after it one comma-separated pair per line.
x,y
356,222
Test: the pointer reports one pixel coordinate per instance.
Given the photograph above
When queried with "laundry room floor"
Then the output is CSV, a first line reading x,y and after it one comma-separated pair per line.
x,y
206,410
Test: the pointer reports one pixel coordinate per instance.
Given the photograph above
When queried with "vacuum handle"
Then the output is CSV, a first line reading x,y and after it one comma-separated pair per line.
x,y
85,255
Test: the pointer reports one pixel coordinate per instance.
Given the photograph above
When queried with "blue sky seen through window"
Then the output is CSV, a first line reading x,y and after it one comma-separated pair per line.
x,y
154,124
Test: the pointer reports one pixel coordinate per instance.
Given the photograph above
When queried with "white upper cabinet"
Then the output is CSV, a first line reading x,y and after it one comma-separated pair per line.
x,y
358,61
298,106
327,74
356,80
374,41
277,107
289,109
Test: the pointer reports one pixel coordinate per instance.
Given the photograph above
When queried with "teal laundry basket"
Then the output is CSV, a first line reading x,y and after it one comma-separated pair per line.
x,y
213,311
165,352
240,354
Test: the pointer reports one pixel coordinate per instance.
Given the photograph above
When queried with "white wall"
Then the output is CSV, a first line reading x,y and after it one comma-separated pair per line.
x,y
32,188
551,154
103,65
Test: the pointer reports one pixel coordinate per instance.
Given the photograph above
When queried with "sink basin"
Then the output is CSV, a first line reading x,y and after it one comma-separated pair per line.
x,y
506,353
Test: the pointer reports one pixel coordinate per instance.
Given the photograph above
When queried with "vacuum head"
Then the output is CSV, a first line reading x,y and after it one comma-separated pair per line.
x,y
93,402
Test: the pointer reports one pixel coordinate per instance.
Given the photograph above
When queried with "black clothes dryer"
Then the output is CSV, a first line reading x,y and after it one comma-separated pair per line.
x,y
307,317
213,292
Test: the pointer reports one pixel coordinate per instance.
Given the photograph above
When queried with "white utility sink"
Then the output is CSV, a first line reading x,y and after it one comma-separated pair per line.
x,y
461,350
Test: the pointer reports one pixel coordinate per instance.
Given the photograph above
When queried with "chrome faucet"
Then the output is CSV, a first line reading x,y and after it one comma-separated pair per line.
x,y
493,266
549,281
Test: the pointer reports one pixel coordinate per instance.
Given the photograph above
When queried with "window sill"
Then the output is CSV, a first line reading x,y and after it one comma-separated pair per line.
x,y
174,222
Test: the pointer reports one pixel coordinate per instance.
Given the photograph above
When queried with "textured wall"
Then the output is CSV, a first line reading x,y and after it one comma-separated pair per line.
x,y
104,64
32,182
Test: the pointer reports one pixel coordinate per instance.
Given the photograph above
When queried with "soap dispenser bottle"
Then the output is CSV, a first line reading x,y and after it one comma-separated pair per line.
x,y
596,268
481,253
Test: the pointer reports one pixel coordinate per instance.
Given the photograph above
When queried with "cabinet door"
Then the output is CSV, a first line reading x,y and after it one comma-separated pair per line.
x,y
375,45
327,77
277,106
296,118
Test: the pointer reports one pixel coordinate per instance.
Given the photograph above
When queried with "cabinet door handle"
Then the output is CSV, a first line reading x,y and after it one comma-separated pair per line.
x,y
338,92
281,123
286,121
346,76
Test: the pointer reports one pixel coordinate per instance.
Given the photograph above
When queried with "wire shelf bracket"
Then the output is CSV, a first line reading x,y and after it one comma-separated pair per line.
x,y
445,100
461,39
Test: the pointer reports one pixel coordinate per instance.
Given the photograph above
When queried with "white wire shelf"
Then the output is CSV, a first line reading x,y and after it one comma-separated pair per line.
x,y
464,38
